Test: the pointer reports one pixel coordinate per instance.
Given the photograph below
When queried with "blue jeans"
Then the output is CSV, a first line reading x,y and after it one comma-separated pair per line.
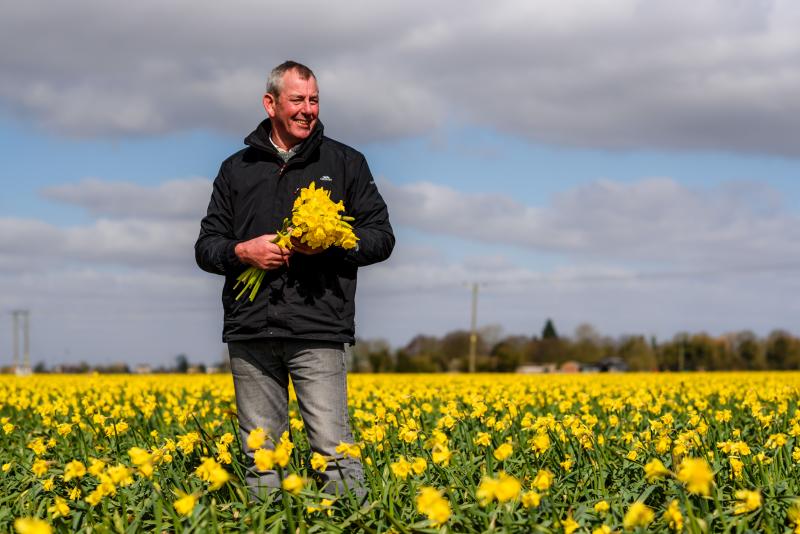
x,y
261,371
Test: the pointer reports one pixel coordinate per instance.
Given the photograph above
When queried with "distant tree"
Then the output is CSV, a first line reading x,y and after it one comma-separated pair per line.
x,y
181,363
734,360
421,344
700,352
359,357
548,351
549,330
113,368
638,353
508,354
425,352
587,346
406,363
453,353
40,367
782,351
371,356
490,334
381,361
749,350
225,363
403,362
721,357
672,355
587,332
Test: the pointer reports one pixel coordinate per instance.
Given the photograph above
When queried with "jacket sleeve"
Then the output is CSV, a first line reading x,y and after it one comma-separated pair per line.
x,y
371,224
214,249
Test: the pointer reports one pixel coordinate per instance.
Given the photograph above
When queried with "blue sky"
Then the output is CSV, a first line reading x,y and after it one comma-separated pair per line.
x,y
631,164
472,161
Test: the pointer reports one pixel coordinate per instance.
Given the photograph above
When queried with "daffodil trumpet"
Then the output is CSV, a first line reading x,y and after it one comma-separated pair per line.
x,y
316,221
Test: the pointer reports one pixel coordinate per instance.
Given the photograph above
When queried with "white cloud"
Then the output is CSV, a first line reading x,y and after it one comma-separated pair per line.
x,y
123,287
615,73
30,245
173,199
652,220
99,316
398,302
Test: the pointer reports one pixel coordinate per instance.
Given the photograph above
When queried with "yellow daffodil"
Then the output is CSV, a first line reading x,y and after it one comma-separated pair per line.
x,y
264,459
531,499
503,451
747,501
59,508
26,525
185,503
431,504
293,484
602,507
655,469
318,462
544,479
673,516
638,515
696,475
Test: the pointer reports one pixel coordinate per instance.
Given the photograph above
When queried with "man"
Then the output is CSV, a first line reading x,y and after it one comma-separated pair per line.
x,y
301,320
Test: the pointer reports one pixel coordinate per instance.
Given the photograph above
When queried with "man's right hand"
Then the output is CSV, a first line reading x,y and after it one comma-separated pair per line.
x,y
261,252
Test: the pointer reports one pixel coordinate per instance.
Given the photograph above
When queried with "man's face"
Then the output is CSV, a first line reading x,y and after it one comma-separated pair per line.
x,y
294,112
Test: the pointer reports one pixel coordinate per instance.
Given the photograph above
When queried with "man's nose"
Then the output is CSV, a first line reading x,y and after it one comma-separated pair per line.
x,y
307,107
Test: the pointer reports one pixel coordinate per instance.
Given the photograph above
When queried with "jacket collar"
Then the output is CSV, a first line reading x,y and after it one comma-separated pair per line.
x,y
259,139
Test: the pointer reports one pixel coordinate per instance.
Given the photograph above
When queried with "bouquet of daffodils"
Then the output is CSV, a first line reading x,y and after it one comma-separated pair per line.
x,y
317,221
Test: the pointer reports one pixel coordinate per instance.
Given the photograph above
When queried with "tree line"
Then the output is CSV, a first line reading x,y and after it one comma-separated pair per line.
x,y
742,350
585,349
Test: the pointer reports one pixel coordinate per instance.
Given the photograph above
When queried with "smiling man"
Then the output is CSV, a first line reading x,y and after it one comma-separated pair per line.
x,y
302,319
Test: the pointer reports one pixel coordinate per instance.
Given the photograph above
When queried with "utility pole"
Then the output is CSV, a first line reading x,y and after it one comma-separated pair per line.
x,y
25,369
26,352
473,335
15,335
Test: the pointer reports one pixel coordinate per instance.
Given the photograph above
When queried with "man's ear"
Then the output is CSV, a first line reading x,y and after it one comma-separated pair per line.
x,y
269,105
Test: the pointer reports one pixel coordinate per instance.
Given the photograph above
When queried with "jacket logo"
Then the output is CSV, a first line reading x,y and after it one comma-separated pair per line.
x,y
326,179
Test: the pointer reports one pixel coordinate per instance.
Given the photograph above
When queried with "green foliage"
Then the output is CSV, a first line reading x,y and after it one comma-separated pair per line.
x,y
684,352
549,330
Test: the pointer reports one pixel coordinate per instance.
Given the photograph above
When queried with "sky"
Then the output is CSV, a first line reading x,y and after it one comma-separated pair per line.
x,y
631,164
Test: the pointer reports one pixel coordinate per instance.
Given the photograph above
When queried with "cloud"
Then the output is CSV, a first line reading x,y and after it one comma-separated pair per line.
x,y
651,256
400,301
653,220
622,74
174,199
98,316
29,245
656,223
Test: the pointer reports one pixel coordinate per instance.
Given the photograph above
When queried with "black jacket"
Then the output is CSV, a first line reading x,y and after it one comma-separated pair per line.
x,y
314,298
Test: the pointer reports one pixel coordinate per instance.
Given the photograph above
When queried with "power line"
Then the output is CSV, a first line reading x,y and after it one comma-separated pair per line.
x,y
527,282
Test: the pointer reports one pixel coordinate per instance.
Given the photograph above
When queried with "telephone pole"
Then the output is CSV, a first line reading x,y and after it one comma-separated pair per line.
x,y
473,334
16,315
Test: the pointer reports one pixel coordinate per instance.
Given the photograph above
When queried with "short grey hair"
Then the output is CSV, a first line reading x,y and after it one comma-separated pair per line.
x,y
275,79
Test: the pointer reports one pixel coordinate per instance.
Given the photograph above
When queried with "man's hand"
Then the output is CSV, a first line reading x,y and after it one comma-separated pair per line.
x,y
302,248
261,252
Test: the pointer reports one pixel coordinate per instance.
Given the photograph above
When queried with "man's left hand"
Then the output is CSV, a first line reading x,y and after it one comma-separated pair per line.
x,y
302,248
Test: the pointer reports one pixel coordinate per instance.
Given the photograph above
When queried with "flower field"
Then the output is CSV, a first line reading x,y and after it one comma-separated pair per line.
x,y
454,453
